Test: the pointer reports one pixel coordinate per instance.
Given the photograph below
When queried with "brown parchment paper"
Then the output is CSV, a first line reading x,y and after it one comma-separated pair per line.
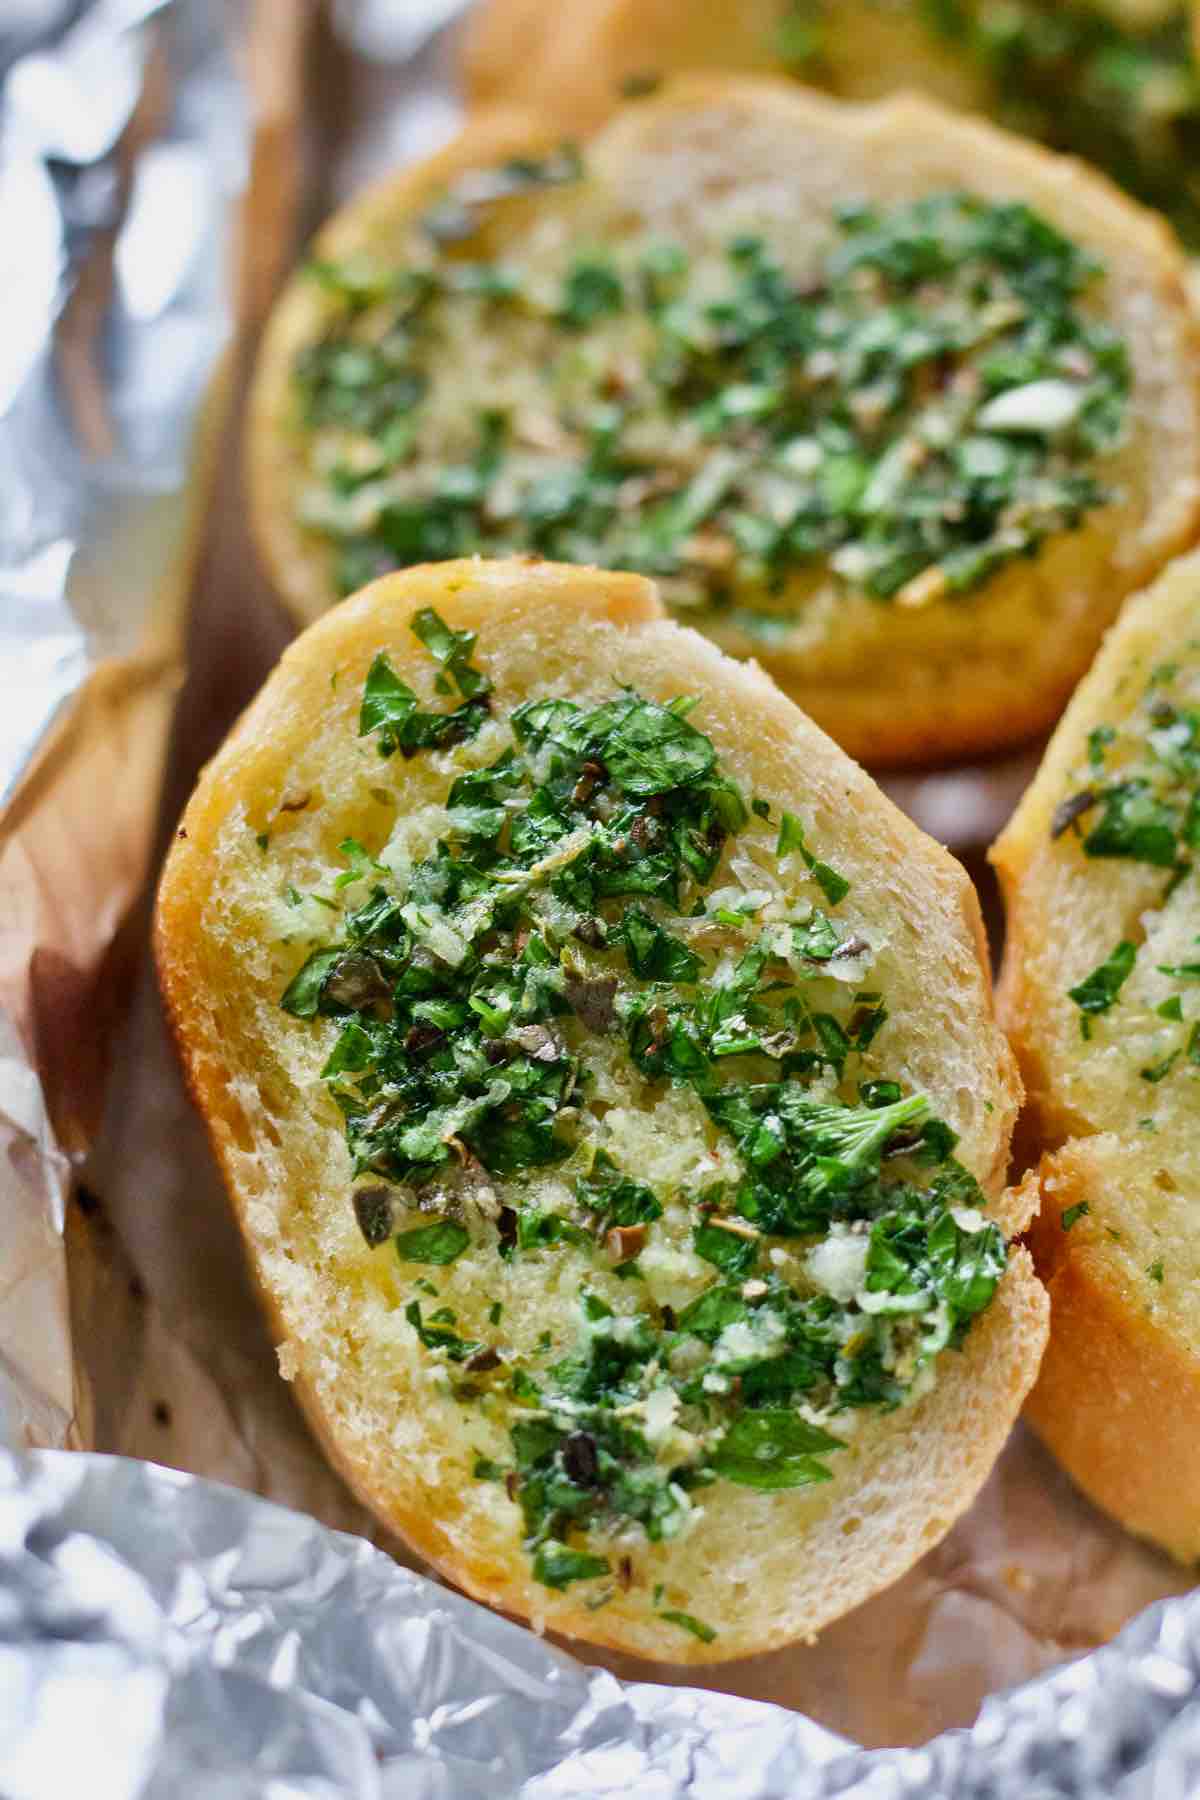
x,y
175,1355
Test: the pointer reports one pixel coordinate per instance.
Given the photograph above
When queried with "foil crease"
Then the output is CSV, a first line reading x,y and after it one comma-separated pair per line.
x,y
123,148
199,1640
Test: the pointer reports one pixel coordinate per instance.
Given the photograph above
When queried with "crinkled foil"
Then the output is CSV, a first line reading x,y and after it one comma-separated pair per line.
x,y
199,1641
123,143
161,1635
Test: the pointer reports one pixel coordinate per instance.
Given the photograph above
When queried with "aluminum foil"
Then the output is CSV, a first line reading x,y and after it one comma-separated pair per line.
x,y
161,1635
197,1641
123,144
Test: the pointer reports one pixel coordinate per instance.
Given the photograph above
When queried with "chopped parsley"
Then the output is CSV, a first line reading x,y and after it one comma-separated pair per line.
x,y
1113,85
1160,1070
556,1566
441,1243
390,708
1138,802
588,907
729,1251
807,1161
438,1334
903,415
773,1447
1072,1214
835,887
686,1622
1099,990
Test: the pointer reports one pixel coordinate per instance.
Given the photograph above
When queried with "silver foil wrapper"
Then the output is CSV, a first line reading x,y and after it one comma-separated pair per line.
x,y
161,1636
123,148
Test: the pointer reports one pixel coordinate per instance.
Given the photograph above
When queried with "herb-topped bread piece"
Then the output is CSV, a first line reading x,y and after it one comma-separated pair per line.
x,y
606,1081
1101,996
895,403
1114,81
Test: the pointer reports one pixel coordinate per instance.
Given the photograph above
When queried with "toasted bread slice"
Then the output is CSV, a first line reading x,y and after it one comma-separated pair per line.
x,y
1052,79
432,1366
1096,993
575,67
386,424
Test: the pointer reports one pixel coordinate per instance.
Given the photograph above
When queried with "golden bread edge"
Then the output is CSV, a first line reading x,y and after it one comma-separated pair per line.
x,y
1117,1399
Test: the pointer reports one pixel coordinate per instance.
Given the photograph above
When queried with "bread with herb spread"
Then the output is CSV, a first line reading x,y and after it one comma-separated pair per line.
x,y
605,1078
896,403
1114,81
1101,996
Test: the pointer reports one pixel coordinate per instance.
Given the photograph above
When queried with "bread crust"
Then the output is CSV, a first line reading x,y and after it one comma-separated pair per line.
x,y
572,64
910,1474
292,557
893,685
1041,1022
1118,1396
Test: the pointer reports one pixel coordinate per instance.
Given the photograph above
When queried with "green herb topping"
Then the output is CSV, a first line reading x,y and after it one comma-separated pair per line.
x,y
1136,800
603,923
1097,991
686,1622
928,400
1121,91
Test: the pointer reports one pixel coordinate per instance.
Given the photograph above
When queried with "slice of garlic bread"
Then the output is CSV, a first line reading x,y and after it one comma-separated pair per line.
x,y
1114,81
895,402
606,1081
1101,997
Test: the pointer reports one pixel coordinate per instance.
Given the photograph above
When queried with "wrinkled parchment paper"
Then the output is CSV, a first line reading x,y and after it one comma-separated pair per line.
x,y
172,1361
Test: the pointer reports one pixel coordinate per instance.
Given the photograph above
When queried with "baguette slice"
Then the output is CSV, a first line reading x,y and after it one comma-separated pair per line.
x,y
573,64
928,677
574,68
293,782
1116,1237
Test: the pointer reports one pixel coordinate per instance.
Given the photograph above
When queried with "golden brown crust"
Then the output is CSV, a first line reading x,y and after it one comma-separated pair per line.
x,y
1058,904
573,64
298,562
893,685
910,1475
1118,1396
